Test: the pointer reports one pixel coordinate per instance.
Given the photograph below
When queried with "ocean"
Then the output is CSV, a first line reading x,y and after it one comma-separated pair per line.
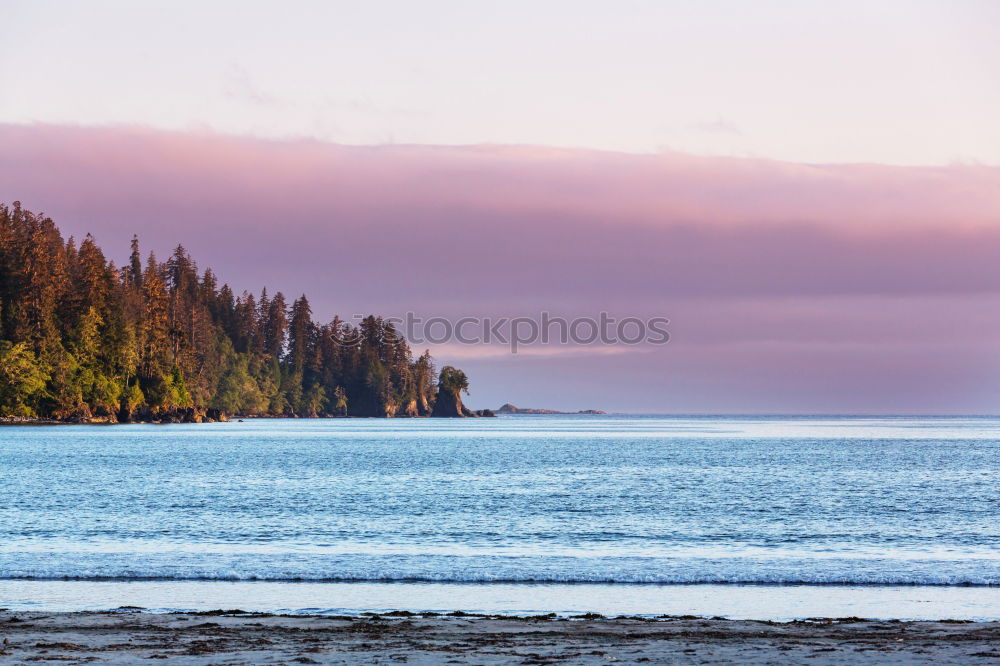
x,y
767,517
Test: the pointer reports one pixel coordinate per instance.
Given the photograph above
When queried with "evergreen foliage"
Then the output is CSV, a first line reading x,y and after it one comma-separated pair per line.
x,y
81,339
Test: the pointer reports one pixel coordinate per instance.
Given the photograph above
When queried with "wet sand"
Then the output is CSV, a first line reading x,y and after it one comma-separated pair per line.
x,y
232,637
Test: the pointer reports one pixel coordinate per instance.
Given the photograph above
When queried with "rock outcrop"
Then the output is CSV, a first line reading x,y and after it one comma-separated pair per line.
x,y
508,408
451,383
177,415
449,405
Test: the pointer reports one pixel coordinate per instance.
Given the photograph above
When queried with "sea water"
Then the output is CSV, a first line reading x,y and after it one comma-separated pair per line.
x,y
768,517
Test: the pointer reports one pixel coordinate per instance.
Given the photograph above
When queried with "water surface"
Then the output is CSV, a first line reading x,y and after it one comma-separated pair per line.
x,y
611,501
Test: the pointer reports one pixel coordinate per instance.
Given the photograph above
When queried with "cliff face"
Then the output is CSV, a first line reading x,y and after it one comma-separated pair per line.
x,y
449,404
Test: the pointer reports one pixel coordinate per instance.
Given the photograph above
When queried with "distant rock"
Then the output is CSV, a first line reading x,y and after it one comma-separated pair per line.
x,y
508,408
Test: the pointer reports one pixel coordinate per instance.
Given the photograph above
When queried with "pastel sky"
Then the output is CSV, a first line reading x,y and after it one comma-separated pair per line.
x,y
890,81
809,191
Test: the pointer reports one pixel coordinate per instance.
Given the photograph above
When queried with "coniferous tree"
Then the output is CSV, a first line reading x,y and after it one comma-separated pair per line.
x,y
80,338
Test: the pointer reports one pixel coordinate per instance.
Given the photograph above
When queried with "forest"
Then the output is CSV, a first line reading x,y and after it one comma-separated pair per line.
x,y
82,339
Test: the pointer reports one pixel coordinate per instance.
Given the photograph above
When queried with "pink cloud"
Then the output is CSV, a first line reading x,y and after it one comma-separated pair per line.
x,y
787,272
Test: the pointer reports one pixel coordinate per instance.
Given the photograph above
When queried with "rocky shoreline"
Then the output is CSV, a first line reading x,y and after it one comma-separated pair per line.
x,y
184,415
127,635
208,416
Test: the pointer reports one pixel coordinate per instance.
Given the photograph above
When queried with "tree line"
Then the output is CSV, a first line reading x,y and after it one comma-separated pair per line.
x,y
81,338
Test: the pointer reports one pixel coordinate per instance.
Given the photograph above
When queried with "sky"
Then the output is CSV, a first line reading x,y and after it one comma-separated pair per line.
x,y
809,191
889,81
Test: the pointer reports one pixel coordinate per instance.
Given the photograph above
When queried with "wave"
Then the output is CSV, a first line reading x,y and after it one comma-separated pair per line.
x,y
292,567
516,581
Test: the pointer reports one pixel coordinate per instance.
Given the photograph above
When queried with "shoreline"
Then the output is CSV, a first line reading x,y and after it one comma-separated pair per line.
x,y
236,418
127,634
778,603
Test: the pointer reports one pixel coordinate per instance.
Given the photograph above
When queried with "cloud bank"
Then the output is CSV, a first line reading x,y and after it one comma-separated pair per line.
x,y
791,287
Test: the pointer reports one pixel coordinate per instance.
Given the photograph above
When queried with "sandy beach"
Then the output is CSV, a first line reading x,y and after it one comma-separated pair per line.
x,y
232,637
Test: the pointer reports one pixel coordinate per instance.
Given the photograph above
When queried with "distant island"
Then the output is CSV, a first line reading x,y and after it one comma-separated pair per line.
x,y
85,341
511,409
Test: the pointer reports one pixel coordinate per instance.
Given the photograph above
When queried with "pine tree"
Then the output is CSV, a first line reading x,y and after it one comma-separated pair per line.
x,y
80,338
